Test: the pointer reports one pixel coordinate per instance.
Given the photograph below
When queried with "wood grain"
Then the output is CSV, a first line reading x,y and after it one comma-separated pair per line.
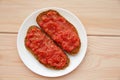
x,y
100,17
102,61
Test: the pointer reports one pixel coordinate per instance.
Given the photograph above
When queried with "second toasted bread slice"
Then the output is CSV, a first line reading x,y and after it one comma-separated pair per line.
x,y
60,30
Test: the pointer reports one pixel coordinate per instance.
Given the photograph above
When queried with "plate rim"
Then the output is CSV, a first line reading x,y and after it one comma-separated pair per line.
x,y
42,9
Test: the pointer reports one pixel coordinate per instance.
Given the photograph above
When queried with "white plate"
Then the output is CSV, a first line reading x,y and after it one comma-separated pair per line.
x,y
32,63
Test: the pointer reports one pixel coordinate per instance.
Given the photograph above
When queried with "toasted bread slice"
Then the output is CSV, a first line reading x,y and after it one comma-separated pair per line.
x,y
44,49
60,30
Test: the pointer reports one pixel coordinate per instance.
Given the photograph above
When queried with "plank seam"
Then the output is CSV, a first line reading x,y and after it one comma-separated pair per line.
x,y
87,34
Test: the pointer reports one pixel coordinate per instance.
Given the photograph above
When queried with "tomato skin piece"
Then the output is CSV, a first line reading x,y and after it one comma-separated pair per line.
x,y
45,49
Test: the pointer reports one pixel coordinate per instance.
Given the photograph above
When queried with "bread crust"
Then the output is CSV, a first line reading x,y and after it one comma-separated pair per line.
x,y
74,51
52,67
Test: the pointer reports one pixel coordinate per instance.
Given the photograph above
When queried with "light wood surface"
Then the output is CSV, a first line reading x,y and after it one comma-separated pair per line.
x,y
101,19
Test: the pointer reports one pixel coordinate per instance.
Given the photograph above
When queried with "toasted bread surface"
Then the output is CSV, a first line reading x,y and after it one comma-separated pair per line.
x,y
60,30
44,49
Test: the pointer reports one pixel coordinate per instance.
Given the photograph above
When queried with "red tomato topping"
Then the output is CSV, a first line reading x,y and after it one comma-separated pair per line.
x,y
60,30
45,49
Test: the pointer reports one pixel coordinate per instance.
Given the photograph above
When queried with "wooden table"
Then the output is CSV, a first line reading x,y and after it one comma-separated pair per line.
x,y
101,19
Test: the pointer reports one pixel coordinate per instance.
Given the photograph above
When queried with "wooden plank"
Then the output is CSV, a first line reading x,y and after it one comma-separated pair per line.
x,y
102,61
100,17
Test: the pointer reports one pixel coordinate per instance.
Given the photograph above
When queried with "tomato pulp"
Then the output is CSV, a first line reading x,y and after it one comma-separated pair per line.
x,y
45,49
60,30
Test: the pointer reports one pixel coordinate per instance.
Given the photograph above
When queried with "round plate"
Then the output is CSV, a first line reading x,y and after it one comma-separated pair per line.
x,y
32,63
